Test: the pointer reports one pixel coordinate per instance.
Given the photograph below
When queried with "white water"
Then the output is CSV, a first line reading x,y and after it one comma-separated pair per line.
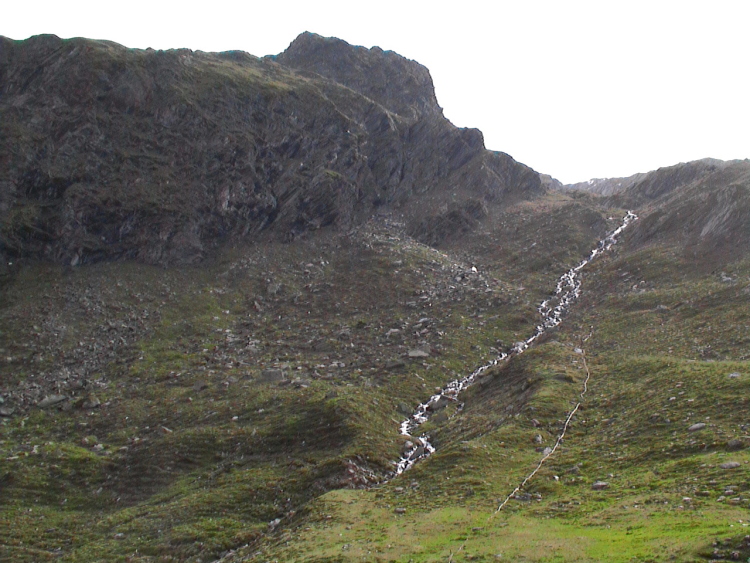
x,y
567,291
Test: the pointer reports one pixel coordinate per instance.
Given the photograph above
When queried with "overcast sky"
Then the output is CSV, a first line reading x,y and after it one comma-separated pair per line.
x,y
575,89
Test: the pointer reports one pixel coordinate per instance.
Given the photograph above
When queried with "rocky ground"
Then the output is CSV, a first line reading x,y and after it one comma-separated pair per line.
x,y
272,373
184,413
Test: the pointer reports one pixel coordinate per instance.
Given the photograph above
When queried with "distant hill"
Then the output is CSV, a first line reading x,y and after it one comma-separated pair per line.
x,y
699,208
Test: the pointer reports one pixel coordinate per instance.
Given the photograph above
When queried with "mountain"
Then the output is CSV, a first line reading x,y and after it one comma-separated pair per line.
x,y
228,281
698,208
112,153
639,188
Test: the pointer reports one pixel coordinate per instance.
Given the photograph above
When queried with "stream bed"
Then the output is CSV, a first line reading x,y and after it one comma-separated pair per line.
x,y
552,311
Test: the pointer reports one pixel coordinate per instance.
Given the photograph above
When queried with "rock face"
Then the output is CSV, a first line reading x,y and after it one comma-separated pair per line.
x,y
699,207
640,188
401,86
108,152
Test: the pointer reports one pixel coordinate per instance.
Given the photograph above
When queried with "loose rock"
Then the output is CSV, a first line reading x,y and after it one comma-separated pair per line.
x,y
735,444
200,385
271,375
730,465
51,401
92,402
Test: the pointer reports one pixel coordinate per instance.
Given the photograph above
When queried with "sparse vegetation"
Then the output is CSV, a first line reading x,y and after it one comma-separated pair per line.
x,y
241,401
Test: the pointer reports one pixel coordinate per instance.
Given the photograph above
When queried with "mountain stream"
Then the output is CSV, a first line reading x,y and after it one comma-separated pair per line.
x,y
552,311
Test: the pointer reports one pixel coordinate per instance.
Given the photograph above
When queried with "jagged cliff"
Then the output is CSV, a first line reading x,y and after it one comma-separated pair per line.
x,y
109,152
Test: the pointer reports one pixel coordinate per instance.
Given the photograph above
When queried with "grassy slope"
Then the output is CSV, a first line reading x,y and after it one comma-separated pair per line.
x,y
665,341
193,481
190,453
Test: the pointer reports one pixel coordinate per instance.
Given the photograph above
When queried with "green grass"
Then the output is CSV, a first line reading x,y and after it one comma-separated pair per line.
x,y
191,455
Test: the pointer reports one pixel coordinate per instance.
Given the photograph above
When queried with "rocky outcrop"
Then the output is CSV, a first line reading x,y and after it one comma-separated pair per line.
x,y
108,152
604,186
640,188
643,188
706,219
400,85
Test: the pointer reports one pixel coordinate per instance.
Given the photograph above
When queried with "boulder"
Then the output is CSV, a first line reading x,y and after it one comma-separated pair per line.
x,y
272,376
51,401
730,465
418,353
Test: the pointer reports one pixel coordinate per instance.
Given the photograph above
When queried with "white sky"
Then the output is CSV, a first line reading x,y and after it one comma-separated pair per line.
x,y
575,89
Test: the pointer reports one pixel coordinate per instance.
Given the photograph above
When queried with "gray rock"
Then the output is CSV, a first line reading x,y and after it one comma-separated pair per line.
x,y
6,410
600,485
404,409
273,288
400,511
91,402
200,385
441,403
730,465
417,453
272,375
697,426
735,444
51,401
417,353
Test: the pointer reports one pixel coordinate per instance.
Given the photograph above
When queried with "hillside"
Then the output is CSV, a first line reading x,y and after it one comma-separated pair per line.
x,y
227,281
160,156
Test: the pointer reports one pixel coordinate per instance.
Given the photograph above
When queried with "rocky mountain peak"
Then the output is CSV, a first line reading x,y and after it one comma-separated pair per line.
x,y
110,152
399,84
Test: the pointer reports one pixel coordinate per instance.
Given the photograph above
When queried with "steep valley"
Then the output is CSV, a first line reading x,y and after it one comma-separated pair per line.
x,y
226,281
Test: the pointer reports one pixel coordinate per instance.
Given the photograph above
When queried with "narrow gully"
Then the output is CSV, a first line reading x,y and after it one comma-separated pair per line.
x,y
567,291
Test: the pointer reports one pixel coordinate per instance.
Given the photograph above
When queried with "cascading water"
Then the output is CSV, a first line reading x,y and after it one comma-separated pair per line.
x,y
568,289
